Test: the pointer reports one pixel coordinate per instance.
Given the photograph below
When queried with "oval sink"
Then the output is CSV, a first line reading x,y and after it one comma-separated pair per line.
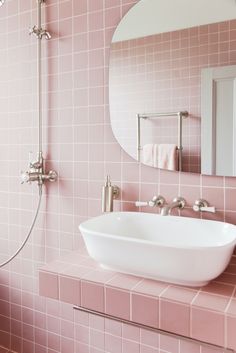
x,y
179,250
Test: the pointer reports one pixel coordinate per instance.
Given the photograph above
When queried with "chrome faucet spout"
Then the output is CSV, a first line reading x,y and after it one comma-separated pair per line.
x,y
178,202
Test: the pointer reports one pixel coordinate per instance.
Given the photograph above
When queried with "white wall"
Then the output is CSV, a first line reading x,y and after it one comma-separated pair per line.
x,y
149,17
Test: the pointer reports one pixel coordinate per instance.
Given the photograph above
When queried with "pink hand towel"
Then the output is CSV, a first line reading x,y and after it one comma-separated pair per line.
x,y
167,157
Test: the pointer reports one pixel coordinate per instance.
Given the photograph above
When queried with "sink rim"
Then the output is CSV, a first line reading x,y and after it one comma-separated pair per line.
x,y
194,264
227,242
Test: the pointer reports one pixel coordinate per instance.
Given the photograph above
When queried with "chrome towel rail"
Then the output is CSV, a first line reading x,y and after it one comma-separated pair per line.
x,y
180,115
162,332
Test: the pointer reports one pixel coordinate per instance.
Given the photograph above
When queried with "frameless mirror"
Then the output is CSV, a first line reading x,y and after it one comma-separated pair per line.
x,y
172,85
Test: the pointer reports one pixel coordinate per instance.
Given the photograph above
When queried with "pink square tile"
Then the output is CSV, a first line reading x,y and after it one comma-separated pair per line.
x,y
69,290
97,339
67,329
219,288
113,344
179,294
147,349
190,193
82,334
80,7
130,346
213,195
123,281
187,347
130,172
40,337
76,271
3,350
231,310
96,322
67,345
169,344
28,346
227,278
145,310
113,327
175,318
48,285
53,341
92,296
131,332
150,287
149,338
210,301
230,203
231,338
118,303
208,326
205,349
80,347
167,177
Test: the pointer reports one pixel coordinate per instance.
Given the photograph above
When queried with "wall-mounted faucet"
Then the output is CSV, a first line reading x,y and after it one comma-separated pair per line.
x,y
203,206
157,201
178,202
109,193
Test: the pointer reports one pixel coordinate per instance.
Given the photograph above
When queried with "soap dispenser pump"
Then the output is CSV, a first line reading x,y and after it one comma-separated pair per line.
x,y
109,193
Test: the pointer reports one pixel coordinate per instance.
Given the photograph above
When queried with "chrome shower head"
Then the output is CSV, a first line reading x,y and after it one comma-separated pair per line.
x,y
1,2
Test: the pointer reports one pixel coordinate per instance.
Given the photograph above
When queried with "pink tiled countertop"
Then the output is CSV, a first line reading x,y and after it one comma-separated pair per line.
x,y
207,314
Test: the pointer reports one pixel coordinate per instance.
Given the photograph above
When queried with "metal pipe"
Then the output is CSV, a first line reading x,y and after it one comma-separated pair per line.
x,y
159,115
139,147
39,78
180,138
145,327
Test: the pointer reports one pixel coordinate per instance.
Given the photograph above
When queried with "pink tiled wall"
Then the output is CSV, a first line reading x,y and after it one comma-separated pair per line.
x,y
162,73
79,144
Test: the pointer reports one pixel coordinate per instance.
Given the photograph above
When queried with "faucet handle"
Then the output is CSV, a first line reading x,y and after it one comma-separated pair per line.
x,y
211,209
24,177
141,203
155,201
203,206
30,162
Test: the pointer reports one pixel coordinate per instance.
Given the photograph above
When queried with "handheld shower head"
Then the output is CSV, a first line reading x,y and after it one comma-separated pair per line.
x,y
1,2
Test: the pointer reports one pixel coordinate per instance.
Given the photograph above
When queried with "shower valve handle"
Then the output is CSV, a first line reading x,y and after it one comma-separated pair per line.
x,y
50,176
27,177
34,164
24,176
31,163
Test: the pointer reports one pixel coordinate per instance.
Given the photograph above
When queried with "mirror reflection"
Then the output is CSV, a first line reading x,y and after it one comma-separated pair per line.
x,y
172,85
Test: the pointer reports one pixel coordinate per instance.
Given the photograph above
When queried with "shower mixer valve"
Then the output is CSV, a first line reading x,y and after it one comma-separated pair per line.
x,y
36,172
40,33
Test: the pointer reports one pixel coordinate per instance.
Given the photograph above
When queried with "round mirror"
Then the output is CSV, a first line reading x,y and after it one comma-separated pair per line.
x,y
171,85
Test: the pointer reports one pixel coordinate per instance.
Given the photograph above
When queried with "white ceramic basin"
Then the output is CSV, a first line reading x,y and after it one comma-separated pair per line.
x,y
179,250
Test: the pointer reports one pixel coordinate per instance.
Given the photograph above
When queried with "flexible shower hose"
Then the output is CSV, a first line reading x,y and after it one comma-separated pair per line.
x,y
29,233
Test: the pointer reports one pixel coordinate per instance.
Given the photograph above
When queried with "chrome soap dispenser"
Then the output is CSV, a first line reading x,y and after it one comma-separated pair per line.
x,y
109,193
